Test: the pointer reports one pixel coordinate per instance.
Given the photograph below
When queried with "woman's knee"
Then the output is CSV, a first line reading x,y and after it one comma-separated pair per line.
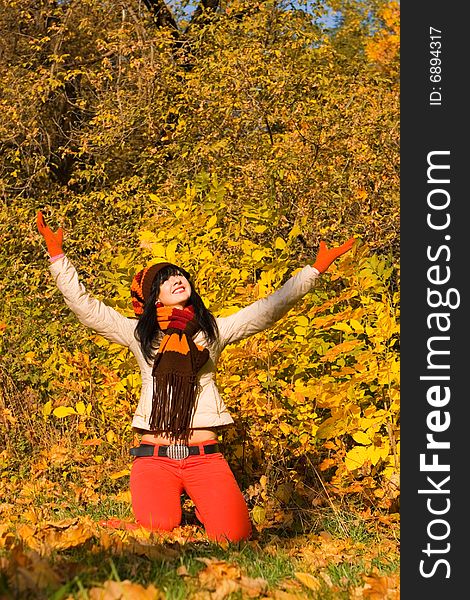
x,y
156,513
232,524
157,522
237,532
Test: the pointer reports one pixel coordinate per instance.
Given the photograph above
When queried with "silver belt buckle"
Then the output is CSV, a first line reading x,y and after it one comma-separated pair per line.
x,y
177,451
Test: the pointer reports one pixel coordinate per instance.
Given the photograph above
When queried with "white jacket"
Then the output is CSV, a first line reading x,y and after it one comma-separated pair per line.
x,y
210,410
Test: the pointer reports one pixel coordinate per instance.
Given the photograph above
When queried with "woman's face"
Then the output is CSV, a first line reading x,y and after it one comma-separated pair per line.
x,y
175,291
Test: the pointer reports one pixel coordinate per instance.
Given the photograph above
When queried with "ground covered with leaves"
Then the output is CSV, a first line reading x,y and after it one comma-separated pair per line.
x,y
46,555
60,482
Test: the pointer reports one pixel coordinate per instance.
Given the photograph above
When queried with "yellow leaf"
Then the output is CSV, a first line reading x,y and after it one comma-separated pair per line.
x,y
259,514
294,232
331,428
285,428
361,438
158,250
308,580
119,474
29,356
356,457
171,251
358,328
47,408
258,255
63,411
124,496
378,452
80,408
211,222
146,236
279,244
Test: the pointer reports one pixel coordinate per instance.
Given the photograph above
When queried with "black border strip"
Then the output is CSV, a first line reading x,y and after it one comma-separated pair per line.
x,y
435,333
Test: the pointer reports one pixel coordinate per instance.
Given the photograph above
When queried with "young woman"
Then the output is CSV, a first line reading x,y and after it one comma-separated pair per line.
x,y
177,342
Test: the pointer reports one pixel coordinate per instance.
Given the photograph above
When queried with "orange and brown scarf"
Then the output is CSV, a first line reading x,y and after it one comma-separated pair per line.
x,y
175,369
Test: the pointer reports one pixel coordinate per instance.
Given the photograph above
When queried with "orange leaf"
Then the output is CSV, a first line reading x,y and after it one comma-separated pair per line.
x,y
381,588
125,590
215,571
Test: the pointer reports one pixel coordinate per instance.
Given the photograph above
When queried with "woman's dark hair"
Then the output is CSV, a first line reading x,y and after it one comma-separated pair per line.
x,y
147,327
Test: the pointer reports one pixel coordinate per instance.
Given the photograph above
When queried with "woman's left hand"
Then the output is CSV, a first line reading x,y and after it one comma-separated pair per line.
x,y
326,256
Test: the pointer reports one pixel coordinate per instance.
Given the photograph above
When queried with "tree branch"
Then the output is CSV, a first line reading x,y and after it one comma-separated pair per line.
x,y
162,15
202,7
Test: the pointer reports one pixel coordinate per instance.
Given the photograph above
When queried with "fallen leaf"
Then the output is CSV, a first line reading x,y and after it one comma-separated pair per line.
x,y
326,578
258,514
215,571
253,587
380,588
119,474
225,588
125,590
57,535
151,551
313,558
7,538
124,496
308,581
26,533
31,571
286,595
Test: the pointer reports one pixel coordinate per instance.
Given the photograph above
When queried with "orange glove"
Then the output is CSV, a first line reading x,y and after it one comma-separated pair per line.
x,y
325,257
53,240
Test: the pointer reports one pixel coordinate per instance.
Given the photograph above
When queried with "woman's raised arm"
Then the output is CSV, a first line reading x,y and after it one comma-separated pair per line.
x,y
90,312
265,312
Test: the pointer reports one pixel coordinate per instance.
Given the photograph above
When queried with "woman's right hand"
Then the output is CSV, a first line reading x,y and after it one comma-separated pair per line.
x,y
53,239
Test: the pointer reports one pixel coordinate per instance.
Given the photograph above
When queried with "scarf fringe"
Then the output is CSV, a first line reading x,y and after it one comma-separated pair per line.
x,y
174,399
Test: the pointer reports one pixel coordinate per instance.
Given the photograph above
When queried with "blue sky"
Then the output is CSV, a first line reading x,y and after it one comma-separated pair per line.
x,y
328,21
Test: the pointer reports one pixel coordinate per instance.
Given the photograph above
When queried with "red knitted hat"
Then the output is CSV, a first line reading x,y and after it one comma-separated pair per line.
x,y
142,284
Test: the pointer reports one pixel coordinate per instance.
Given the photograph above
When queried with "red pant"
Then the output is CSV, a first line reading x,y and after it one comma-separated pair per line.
x,y
157,484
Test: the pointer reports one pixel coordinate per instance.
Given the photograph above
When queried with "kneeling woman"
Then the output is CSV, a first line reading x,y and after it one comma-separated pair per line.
x,y
177,342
